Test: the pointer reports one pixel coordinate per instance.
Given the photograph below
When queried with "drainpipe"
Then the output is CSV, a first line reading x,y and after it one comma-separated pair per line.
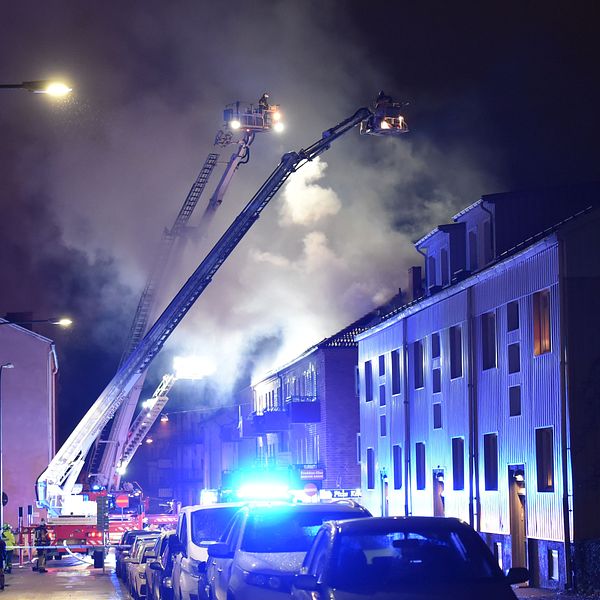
x,y
564,410
474,500
407,448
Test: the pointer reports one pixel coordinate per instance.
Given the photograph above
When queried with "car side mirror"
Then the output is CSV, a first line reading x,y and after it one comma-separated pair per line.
x,y
156,566
176,546
517,575
220,550
306,582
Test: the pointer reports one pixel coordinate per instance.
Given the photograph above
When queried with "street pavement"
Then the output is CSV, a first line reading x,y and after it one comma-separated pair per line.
x,y
71,579
67,579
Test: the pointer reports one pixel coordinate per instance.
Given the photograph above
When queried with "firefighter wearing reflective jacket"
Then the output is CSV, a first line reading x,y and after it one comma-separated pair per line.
x,y
9,539
41,539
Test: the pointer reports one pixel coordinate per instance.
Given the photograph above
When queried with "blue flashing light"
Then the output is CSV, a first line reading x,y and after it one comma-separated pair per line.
x,y
263,490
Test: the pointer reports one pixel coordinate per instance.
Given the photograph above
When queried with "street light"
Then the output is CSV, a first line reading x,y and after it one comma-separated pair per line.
x,y
7,365
42,86
62,322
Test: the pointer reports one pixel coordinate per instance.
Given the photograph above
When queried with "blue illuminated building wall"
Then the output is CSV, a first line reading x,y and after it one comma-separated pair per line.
x,y
480,398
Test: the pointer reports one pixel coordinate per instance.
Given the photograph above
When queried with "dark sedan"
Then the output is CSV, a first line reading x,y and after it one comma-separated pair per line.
x,y
401,558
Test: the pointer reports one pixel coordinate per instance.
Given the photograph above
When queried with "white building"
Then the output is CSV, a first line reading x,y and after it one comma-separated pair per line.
x,y
475,398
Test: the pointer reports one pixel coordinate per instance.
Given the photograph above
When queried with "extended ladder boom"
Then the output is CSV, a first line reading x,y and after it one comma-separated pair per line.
x,y
58,479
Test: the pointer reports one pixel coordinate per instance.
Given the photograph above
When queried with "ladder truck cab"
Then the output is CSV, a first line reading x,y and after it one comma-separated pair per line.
x,y
56,486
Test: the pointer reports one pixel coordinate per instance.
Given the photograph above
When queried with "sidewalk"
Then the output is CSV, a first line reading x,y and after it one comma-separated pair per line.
x,y
539,594
66,579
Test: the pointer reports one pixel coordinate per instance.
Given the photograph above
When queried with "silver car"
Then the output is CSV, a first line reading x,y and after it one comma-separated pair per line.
x,y
264,547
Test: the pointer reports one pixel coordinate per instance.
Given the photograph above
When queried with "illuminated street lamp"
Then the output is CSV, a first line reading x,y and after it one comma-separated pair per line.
x,y
43,86
7,365
61,322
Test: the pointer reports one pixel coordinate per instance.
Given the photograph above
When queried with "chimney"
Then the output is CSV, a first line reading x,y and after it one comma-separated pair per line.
x,y
415,283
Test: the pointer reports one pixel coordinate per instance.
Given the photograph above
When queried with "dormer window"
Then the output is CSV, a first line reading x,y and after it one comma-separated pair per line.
x,y
431,271
473,265
445,266
487,242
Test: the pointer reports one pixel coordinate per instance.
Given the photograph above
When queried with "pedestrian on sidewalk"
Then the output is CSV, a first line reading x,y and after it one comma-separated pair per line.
x,y
42,539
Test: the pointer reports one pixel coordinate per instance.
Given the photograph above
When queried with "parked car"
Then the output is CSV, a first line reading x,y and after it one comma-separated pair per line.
x,y
159,570
197,528
396,558
124,549
265,545
140,552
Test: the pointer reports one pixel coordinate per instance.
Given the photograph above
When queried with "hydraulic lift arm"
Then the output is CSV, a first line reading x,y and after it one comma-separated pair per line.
x,y
58,479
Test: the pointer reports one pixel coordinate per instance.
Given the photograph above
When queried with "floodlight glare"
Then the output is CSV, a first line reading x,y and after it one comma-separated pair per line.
x,y
193,367
235,124
278,127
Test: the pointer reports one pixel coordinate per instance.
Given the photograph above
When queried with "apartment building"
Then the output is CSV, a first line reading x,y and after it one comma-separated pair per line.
x,y
479,399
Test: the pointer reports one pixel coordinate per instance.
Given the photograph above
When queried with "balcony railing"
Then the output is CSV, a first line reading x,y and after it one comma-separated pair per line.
x,y
279,417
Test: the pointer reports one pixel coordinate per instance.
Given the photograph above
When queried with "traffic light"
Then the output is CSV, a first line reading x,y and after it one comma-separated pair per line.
x,y
102,513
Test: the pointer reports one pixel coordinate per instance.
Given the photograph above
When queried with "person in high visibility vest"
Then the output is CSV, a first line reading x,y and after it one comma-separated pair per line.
x,y
9,539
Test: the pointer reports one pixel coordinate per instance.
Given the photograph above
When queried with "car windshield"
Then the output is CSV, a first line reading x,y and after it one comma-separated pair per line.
x,y
209,523
381,561
285,531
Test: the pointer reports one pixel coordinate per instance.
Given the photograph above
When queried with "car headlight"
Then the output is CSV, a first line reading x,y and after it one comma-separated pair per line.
x,y
264,580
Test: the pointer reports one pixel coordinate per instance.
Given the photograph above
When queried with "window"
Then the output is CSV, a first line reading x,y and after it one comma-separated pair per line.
x,y
431,271
488,340
368,381
435,345
382,426
455,352
358,448
490,460
397,458
437,416
381,365
382,395
418,363
541,322
445,266
487,242
395,372
370,469
420,460
512,316
514,400
458,463
437,380
514,358
357,381
472,251
544,457
553,565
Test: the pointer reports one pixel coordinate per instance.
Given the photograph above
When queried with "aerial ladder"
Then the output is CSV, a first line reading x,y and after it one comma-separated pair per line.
x,y
56,484
252,119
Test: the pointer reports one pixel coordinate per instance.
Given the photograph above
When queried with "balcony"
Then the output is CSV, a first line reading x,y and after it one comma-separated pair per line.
x,y
296,409
303,409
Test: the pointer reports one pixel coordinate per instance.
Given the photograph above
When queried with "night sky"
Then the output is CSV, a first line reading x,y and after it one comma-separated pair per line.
x,y
502,96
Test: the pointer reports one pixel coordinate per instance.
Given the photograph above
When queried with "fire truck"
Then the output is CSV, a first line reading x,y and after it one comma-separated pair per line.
x,y
57,489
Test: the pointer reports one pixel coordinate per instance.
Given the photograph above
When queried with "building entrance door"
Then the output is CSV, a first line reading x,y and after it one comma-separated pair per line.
x,y
517,499
439,508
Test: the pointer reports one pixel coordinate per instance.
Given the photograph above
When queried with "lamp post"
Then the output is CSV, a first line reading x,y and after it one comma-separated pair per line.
x,y
7,365
42,86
